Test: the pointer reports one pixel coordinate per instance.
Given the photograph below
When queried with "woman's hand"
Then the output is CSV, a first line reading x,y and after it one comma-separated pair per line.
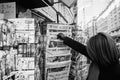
x,y
61,36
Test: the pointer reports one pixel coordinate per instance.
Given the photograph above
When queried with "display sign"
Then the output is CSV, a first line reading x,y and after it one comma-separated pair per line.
x,y
24,24
25,30
8,9
58,57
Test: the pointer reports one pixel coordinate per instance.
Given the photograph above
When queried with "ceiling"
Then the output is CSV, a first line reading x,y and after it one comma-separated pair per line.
x,y
29,3
69,3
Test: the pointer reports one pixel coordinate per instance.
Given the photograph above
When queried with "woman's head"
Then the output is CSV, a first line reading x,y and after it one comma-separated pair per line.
x,y
102,49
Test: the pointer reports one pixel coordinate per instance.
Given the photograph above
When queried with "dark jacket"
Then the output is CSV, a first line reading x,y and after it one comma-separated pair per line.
x,y
110,73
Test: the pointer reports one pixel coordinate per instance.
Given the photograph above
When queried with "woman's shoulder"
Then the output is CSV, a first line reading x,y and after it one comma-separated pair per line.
x,y
115,72
114,69
111,73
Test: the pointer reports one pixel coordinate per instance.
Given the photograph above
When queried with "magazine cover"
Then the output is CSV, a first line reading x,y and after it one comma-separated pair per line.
x,y
58,58
58,71
25,75
25,63
25,30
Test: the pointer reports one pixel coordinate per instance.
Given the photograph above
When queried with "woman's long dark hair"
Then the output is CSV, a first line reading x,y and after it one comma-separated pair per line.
x,y
103,50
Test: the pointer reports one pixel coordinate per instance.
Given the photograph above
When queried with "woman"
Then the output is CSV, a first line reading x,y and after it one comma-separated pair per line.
x,y
102,51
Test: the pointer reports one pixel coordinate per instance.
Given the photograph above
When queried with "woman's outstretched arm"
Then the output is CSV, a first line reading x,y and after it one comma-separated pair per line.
x,y
76,46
